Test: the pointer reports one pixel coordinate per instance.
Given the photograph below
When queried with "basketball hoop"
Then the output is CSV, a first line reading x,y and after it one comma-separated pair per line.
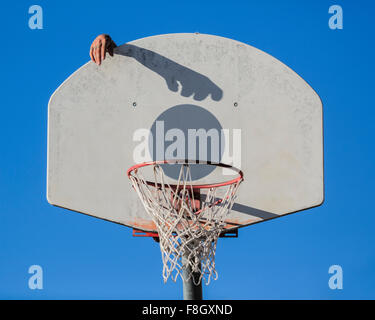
x,y
189,217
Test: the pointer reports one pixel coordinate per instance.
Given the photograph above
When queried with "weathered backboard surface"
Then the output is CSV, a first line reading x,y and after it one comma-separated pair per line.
x,y
158,92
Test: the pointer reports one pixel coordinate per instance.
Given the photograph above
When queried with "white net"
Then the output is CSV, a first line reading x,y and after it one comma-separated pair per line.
x,y
189,221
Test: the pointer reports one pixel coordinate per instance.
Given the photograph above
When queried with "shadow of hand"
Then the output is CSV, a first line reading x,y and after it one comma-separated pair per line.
x,y
193,83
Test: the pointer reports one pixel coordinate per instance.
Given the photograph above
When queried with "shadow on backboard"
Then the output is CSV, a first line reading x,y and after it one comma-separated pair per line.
x,y
192,82
254,212
265,215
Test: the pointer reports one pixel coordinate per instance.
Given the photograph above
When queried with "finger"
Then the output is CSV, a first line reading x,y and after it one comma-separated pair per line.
x,y
111,47
92,53
102,50
97,54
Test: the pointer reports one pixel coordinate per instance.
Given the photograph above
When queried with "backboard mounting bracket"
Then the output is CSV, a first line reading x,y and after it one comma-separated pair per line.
x,y
155,235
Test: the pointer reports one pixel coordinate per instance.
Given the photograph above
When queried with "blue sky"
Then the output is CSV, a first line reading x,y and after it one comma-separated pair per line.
x,y
286,258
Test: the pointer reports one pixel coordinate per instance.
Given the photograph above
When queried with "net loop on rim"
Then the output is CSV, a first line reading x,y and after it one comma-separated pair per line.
x,y
189,217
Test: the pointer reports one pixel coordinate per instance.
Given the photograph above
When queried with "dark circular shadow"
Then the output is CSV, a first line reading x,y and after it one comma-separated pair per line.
x,y
173,134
